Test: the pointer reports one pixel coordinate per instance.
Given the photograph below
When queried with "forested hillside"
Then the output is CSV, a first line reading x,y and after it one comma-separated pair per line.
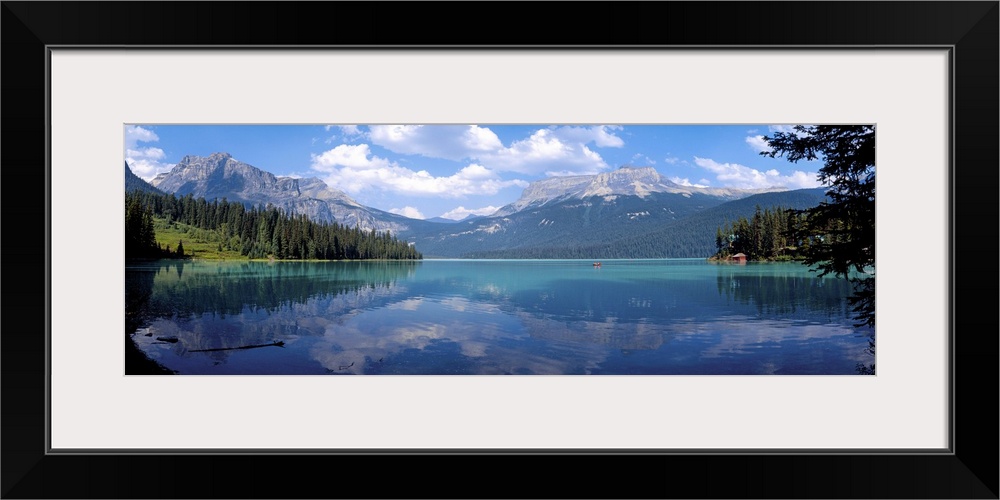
x,y
690,236
255,232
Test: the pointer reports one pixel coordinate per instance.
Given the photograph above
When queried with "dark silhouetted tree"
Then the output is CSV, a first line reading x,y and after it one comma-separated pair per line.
x,y
140,238
840,232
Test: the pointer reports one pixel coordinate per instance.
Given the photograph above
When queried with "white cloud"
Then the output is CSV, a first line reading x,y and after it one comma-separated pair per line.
x,y
641,158
144,161
800,179
135,134
552,150
452,142
758,143
685,182
344,129
348,133
462,212
148,169
672,160
353,168
146,153
350,130
740,176
598,134
350,156
546,152
408,211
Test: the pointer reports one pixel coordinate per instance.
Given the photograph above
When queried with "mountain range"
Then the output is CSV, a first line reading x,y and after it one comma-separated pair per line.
x,y
219,175
631,212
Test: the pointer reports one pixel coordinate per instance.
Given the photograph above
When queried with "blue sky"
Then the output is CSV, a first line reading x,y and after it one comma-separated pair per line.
x,y
457,170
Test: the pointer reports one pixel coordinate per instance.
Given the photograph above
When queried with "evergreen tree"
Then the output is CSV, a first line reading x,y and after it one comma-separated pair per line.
x,y
140,237
763,237
256,232
841,232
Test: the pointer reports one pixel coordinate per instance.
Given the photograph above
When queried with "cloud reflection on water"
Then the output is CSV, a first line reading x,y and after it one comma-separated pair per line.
x,y
504,323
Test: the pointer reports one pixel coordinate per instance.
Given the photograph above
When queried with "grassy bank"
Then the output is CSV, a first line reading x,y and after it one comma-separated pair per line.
x,y
198,243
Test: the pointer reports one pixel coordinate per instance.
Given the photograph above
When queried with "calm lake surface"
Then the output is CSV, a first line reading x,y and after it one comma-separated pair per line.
x,y
561,317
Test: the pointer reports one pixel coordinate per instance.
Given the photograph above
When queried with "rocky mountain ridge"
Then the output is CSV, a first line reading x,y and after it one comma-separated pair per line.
x,y
557,214
219,175
625,181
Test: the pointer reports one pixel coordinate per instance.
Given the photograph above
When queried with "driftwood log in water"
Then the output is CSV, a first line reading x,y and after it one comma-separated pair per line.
x,y
278,344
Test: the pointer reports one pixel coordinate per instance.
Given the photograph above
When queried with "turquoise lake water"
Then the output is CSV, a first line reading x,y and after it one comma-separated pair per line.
x,y
521,317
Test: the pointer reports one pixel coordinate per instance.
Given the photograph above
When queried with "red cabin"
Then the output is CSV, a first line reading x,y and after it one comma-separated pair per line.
x,y
740,258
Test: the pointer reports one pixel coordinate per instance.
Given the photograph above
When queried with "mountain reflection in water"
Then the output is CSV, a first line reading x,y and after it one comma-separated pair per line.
x,y
565,317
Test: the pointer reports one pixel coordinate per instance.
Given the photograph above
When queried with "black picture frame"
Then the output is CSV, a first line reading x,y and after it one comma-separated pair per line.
x,y
969,28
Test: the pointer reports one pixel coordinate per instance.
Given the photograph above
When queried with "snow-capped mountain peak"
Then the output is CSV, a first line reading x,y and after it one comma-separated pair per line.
x,y
625,181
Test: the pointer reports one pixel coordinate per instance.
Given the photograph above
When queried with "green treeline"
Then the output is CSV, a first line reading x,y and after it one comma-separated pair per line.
x,y
767,235
256,233
140,235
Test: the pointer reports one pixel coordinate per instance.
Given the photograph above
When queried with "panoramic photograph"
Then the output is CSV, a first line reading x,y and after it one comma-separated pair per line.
x,y
499,249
